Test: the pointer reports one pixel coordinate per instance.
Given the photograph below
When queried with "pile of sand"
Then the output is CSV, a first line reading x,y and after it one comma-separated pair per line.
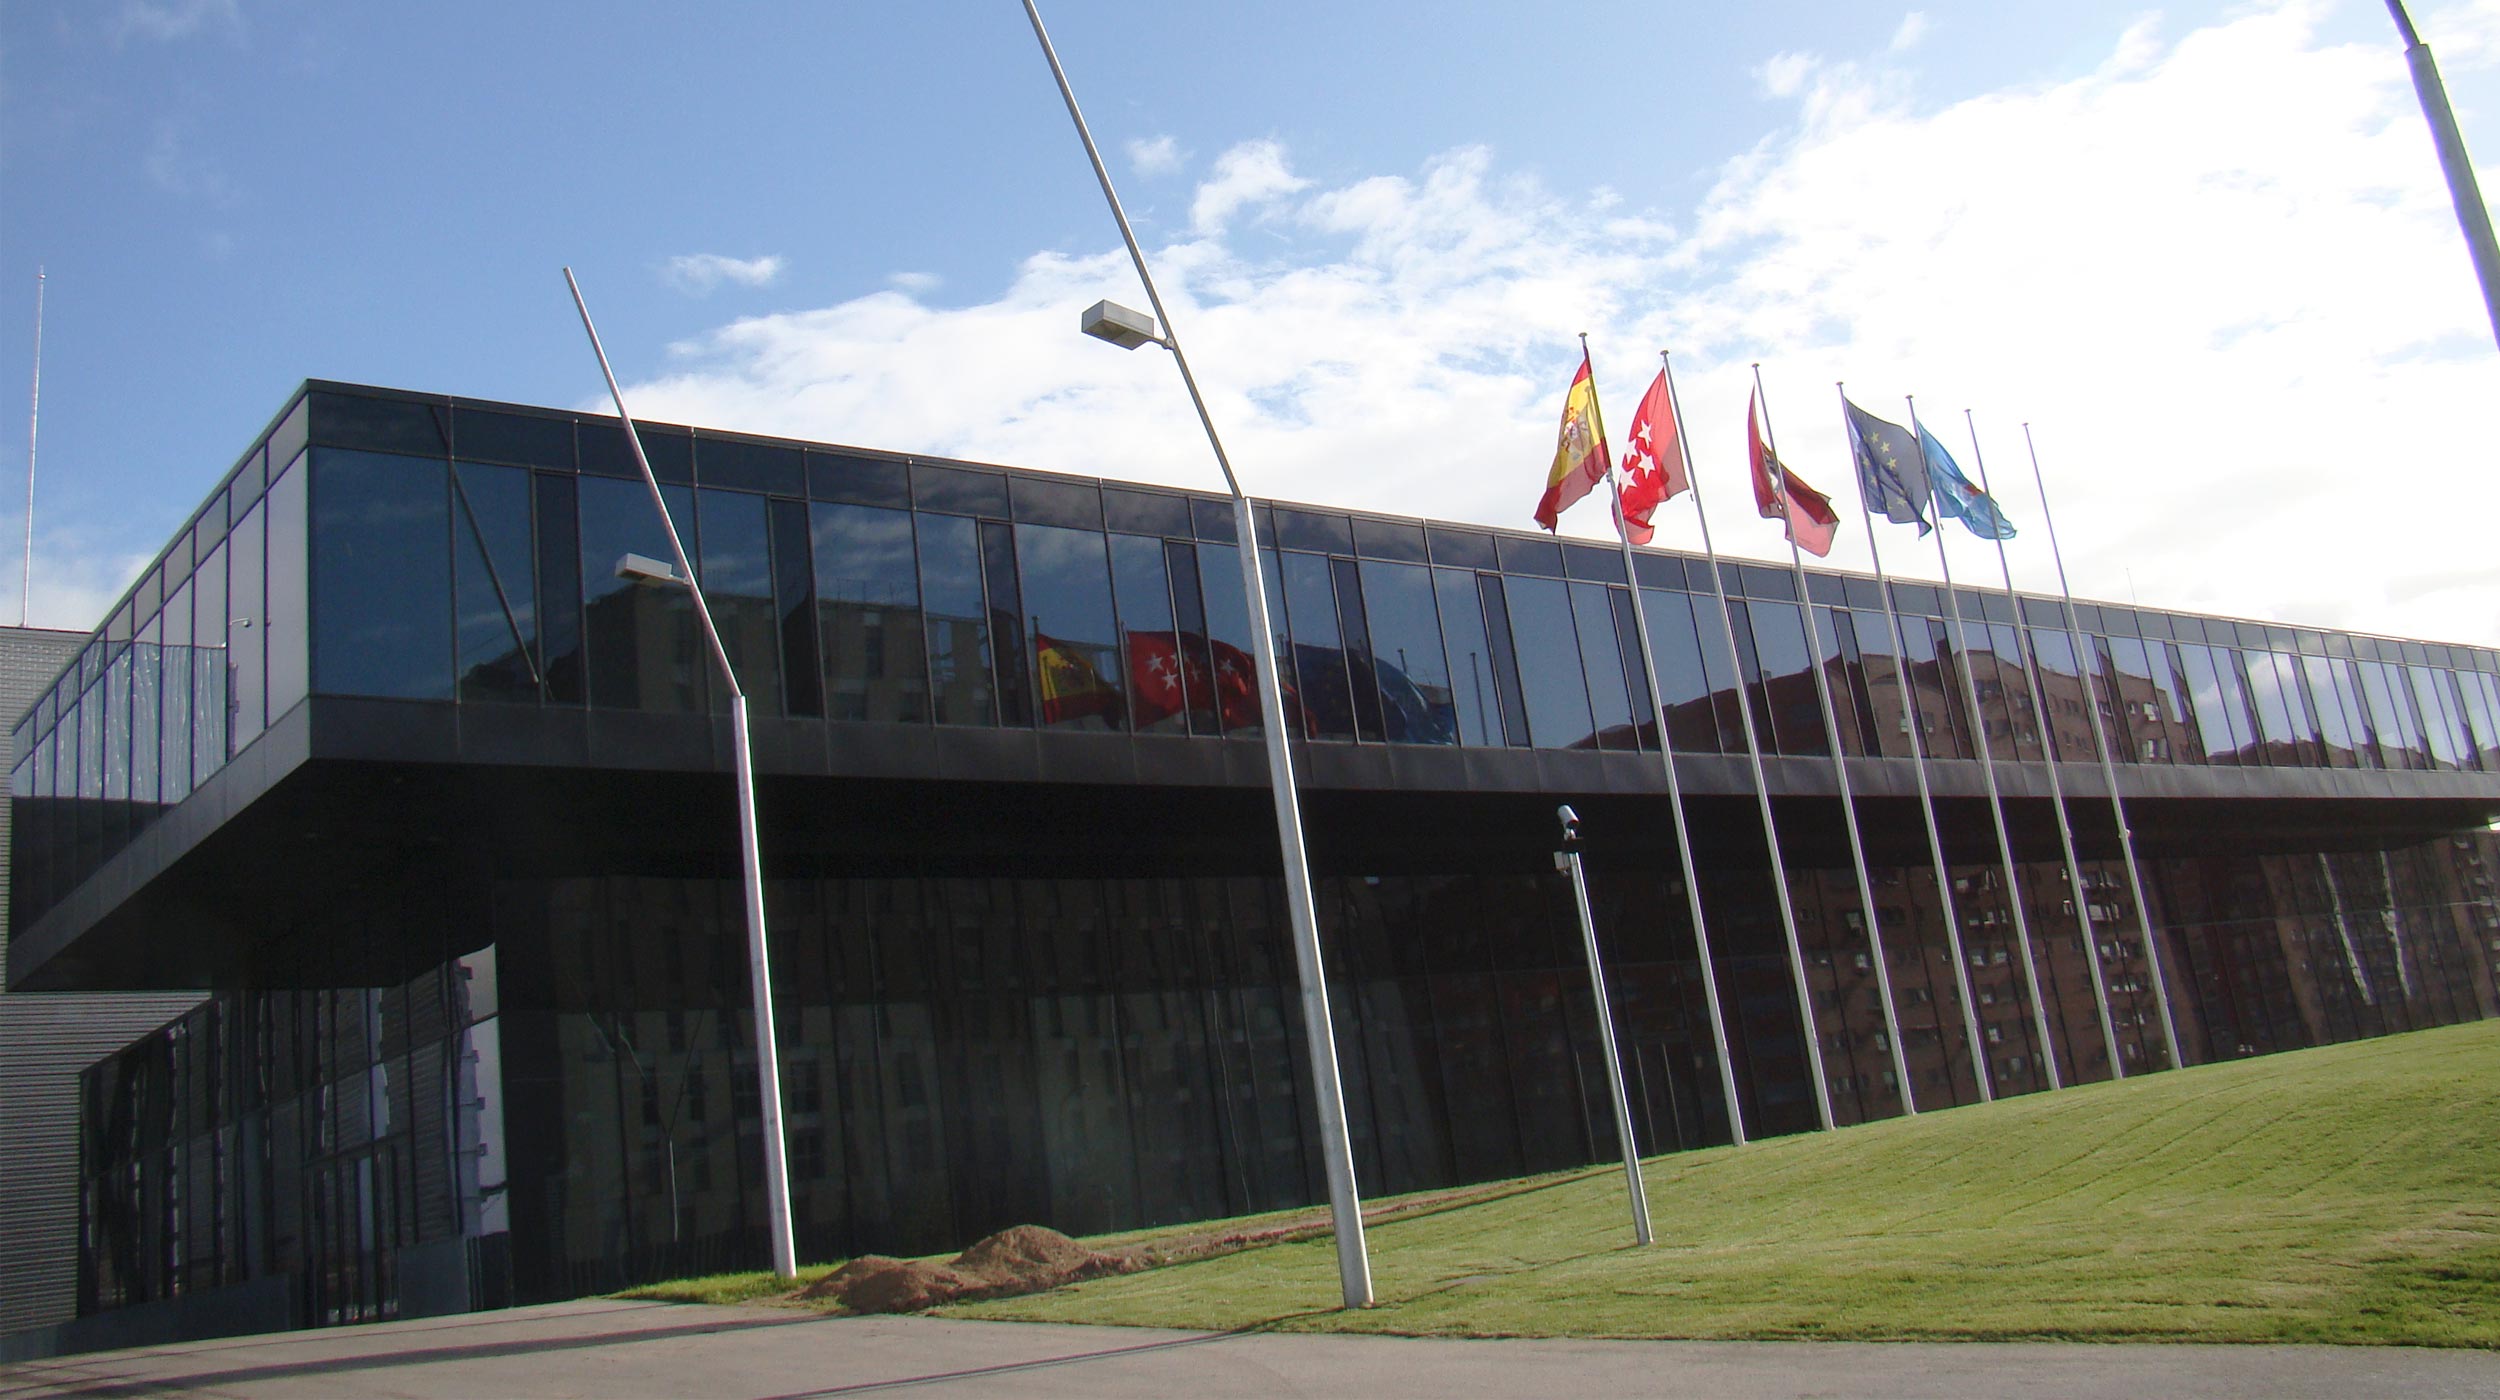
x,y
1025,1259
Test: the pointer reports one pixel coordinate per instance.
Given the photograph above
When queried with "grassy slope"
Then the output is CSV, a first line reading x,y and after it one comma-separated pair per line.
x,y
2350,1194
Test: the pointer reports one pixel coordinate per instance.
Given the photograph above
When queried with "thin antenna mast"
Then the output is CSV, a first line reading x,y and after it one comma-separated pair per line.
x,y
34,413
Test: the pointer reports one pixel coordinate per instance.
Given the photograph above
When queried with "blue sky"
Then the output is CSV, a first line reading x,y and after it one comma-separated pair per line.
x,y
2203,247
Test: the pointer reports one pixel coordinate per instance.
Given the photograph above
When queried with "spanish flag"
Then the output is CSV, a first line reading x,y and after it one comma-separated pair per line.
x,y
1580,458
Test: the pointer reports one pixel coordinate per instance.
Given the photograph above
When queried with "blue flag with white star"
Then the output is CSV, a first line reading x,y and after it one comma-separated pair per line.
x,y
1955,496
1891,473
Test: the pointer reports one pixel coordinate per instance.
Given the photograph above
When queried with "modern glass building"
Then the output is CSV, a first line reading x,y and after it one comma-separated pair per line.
x,y
386,751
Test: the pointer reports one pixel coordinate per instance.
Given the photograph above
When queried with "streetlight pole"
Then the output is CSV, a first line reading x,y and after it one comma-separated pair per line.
x,y
759,964
1121,327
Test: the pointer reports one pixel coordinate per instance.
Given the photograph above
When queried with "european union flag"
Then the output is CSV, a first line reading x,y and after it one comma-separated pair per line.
x,y
1955,496
1891,473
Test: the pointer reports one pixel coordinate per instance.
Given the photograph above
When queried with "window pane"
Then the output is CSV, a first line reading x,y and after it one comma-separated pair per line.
x,y
2334,724
1601,660
1938,699
147,690
2274,724
643,644
381,576
1684,690
2063,696
289,629
1354,631
869,624
2390,717
560,590
2013,673
958,630
1417,704
1788,692
1886,699
2483,716
1156,661
1228,636
247,651
2213,714
1318,650
174,770
736,564
2439,720
1550,677
2296,708
496,622
1066,577
794,607
1008,614
1473,697
209,683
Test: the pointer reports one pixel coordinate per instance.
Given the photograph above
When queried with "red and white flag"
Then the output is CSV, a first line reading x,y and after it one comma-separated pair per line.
x,y
1653,462
1779,495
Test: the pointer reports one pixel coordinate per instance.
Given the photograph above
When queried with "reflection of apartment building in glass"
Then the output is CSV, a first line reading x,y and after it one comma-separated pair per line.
x,y
387,752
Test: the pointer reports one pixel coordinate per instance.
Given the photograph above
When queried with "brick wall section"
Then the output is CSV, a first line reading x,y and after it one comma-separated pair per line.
x,y
45,1040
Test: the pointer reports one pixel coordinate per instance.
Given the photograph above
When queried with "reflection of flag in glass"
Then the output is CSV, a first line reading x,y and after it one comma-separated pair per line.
x,y
1072,687
1170,672
1409,714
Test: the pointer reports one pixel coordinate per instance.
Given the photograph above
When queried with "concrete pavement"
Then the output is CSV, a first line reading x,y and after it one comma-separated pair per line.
x,y
619,1351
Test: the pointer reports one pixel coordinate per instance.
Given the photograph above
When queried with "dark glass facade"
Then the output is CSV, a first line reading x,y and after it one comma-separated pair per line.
x,y
1033,966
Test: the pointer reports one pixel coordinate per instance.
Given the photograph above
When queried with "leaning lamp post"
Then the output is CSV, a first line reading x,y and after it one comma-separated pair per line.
x,y
759,963
1130,329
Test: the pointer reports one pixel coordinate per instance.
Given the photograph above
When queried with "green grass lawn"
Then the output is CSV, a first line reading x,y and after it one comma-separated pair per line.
x,y
2349,1194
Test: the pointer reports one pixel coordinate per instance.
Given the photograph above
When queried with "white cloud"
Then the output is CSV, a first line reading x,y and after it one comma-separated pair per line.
x,y
701,272
168,20
1251,173
2219,273
1160,156
1913,28
916,283
76,575
1785,74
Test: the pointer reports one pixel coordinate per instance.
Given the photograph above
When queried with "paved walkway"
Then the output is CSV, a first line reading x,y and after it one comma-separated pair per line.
x,y
618,1351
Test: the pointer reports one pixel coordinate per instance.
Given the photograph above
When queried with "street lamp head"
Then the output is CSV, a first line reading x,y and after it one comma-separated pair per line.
x,y
642,568
1108,320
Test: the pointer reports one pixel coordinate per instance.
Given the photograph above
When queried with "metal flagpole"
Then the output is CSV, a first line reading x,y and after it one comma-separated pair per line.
x,y
2472,217
1345,1206
1568,859
34,411
2057,788
2109,774
1996,800
1675,787
1761,793
1840,767
759,959
1926,796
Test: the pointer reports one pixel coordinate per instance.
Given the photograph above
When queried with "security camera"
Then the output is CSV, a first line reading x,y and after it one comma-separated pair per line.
x,y
1570,823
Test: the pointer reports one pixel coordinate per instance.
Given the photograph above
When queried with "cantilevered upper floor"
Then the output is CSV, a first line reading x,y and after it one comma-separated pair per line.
x,y
393,589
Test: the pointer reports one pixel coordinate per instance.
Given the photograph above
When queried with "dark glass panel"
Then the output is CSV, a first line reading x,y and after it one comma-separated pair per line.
x,y
1401,540
494,593
1318,651
180,658
1551,675
1590,562
147,709
2223,736
1775,585
1474,695
516,439
1542,558
247,655
641,640
1355,630
1157,660
1837,653
741,465
736,565
1601,662
1883,683
2232,675
1935,688
957,491
1636,673
1189,633
794,609
1077,505
2335,717
1007,616
1146,512
1660,570
604,451
381,576
382,425
1683,683
2004,648
1213,520
2482,712
211,527
1830,590
1463,549
1406,653
865,481
2141,735
2439,717
560,589
2296,708
870,625
1321,534
210,681
1229,638
2178,716
2063,695
1789,696
290,627
958,626
2274,725
1505,658
251,477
